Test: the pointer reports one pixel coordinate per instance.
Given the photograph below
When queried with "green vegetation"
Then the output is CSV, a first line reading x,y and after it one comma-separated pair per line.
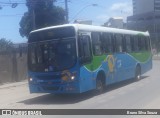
x,y
41,13
5,45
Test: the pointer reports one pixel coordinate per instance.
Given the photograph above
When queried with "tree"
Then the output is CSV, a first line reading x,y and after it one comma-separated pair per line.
x,y
5,45
44,13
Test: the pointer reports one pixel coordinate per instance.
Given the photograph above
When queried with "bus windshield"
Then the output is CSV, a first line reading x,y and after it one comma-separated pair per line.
x,y
54,55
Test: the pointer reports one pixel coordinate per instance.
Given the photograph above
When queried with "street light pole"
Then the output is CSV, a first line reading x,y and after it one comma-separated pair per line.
x,y
66,10
94,5
33,19
33,16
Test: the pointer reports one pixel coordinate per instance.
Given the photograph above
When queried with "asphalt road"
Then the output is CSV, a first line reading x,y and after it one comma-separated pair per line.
x,y
143,94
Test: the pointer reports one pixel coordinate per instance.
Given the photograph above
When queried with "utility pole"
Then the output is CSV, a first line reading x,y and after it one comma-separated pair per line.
x,y
66,10
33,19
33,15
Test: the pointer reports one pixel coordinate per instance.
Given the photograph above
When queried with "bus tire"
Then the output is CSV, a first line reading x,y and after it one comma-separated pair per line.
x,y
138,73
100,84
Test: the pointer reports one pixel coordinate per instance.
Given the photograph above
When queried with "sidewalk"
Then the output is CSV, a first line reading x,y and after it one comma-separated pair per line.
x,y
156,57
14,84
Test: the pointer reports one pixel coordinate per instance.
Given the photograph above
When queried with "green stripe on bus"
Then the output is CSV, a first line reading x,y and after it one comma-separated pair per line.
x,y
140,34
141,56
96,62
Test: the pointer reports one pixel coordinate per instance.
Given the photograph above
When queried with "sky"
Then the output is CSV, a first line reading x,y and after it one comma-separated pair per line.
x,y
78,9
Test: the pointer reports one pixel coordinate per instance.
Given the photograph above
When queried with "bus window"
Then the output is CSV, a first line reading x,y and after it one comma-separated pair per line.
x,y
96,42
136,46
141,43
132,43
40,55
85,49
107,43
128,43
32,55
147,44
119,43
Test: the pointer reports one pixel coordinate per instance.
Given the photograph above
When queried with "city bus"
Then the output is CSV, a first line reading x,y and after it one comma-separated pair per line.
x,y
76,58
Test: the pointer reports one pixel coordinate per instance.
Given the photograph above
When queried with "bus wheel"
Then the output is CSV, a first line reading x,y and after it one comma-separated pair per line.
x,y
138,73
99,86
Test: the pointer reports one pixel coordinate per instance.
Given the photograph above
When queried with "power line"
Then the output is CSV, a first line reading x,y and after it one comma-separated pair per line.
x,y
33,2
10,3
12,15
16,3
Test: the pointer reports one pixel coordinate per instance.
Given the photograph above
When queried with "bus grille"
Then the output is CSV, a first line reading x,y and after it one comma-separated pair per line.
x,y
47,88
48,77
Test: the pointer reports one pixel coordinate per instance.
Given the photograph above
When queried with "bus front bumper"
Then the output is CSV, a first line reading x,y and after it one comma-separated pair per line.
x,y
57,89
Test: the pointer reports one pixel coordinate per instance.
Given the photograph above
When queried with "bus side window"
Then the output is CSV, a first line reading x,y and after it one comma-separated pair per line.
x,y
132,43
128,43
141,43
136,46
119,43
32,55
85,52
147,44
107,42
96,43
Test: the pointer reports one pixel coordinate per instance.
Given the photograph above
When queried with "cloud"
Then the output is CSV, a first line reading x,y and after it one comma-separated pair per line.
x,y
121,7
116,10
101,19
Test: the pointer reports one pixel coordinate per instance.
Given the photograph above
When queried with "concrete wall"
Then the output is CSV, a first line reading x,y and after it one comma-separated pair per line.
x,y
13,67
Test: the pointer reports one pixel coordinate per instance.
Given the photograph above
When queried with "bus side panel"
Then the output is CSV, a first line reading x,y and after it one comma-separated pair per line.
x,y
144,59
117,67
130,64
109,65
86,80
110,78
124,66
146,66
88,73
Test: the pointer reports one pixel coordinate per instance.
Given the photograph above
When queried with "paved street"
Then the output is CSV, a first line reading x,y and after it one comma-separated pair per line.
x,y
126,95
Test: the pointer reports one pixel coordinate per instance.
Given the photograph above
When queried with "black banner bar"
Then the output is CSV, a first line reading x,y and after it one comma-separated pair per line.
x,y
79,111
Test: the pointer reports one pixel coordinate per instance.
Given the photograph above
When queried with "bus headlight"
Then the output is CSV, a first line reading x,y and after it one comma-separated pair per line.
x,y
30,79
72,77
66,78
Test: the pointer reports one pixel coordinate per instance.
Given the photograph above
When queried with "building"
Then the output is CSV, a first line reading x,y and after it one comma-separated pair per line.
x,y
144,6
115,22
146,17
87,22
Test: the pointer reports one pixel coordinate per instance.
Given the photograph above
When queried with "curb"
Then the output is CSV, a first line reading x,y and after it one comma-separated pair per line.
x,y
156,57
15,84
